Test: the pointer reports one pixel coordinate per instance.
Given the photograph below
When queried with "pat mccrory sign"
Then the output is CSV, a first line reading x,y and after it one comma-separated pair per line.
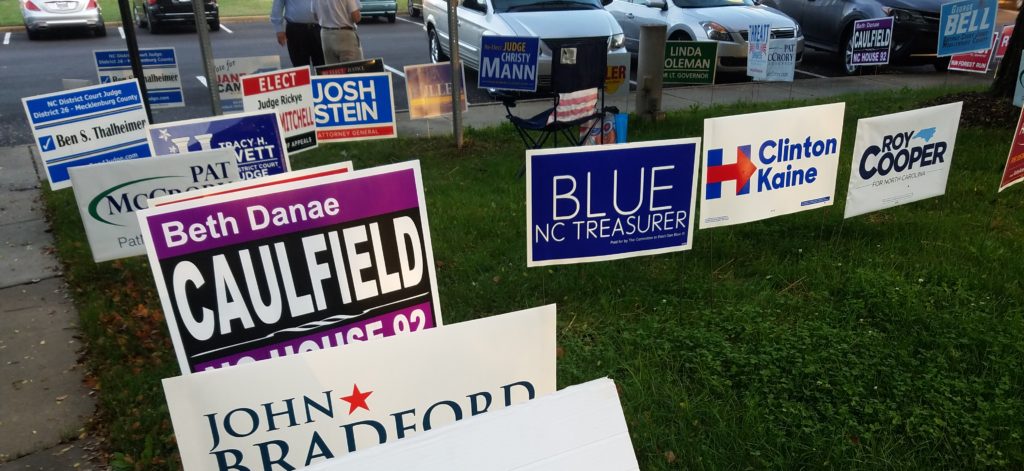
x,y
297,266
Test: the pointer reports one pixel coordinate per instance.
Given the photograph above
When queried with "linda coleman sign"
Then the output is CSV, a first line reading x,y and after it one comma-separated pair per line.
x,y
292,412
293,267
610,202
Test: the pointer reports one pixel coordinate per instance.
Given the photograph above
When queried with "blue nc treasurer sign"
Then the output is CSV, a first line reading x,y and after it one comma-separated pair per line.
x,y
255,137
966,26
610,202
509,63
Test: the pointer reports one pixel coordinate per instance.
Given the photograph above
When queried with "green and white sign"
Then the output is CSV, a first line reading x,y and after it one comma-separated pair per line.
x,y
109,194
690,62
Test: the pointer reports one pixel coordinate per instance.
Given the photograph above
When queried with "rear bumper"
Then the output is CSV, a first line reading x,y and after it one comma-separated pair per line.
x,y
378,8
75,20
183,17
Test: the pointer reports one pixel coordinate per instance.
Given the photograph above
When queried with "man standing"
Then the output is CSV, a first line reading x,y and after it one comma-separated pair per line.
x,y
337,19
297,29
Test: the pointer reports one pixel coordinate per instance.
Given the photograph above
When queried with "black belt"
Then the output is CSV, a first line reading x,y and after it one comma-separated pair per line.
x,y
304,25
343,27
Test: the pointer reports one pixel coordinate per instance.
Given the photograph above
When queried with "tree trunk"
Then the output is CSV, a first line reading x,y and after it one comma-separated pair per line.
x,y
1006,75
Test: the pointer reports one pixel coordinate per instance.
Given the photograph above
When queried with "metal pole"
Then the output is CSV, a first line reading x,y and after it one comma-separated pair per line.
x,y
453,46
650,67
209,70
128,24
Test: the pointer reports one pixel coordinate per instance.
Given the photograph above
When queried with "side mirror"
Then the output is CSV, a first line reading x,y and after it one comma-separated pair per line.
x,y
659,4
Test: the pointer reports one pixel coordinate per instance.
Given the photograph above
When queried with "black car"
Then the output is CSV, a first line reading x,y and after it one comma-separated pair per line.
x,y
158,15
828,26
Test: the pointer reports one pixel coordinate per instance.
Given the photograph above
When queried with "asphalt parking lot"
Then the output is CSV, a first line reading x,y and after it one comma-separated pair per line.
x,y
38,67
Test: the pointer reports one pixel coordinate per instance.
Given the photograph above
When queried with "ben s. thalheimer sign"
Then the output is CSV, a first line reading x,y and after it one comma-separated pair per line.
x,y
762,165
296,411
966,26
292,267
509,63
902,157
102,123
609,202
289,93
255,137
160,69
108,195
354,107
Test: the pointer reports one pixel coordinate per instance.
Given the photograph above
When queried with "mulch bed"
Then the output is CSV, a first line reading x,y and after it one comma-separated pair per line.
x,y
983,110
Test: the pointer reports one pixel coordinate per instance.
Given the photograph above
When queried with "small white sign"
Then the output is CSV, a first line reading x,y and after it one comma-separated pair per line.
x,y
289,93
229,74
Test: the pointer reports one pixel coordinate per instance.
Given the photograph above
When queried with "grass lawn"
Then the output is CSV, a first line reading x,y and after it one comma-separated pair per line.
x,y
892,340
10,14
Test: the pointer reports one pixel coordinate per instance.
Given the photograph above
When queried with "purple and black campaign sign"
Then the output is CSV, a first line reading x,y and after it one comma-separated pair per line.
x,y
872,41
310,264
609,202
255,137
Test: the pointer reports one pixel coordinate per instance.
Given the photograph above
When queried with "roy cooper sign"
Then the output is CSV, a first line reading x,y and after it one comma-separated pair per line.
x,y
610,202
294,267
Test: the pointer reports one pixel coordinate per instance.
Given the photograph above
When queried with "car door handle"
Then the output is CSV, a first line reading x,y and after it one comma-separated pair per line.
x,y
630,15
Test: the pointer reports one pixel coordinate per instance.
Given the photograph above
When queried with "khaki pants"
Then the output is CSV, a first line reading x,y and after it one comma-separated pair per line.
x,y
340,45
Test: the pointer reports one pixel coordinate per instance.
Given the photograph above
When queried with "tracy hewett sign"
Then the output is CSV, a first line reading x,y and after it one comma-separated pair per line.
x,y
304,265
288,92
102,123
110,194
296,411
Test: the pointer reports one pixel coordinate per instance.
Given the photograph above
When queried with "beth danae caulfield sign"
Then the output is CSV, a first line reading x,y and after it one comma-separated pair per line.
x,y
298,266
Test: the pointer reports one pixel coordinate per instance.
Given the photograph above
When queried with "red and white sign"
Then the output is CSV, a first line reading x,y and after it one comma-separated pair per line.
x,y
976,62
1004,41
1014,171
289,93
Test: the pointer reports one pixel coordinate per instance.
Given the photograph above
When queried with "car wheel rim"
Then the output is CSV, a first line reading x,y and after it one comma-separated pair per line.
x,y
433,48
848,57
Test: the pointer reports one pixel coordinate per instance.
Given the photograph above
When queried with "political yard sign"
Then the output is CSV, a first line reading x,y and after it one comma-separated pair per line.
x,y
1013,173
292,267
159,65
1018,90
690,62
355,67
762,165
429,88
255,137
872,41
781,61
1004,41
902,157
296,411
262,182
508,63
289,93
229,73
110,194
354,107
757,50
976,62
610,202
966,26
102,123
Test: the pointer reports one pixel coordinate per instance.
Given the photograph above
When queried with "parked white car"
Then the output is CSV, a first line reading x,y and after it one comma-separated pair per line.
x,y
546,19
725,21
47,15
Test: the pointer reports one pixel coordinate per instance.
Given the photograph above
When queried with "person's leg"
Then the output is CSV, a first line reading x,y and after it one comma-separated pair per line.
x,y
297,44
329,40
316,50
349,48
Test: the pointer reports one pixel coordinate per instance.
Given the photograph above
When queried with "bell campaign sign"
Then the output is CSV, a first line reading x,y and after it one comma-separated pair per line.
x,y
296,411
966,26
110,194
102,123
902,157
509,63
762,165
293,267
610,202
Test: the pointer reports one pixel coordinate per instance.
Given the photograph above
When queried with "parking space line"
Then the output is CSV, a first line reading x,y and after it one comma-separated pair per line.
x,y
7,38
812,74
394,71
201,80
417,23
225,28
120,30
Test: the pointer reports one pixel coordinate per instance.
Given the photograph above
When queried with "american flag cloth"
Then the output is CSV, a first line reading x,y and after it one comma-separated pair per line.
x,y
575,105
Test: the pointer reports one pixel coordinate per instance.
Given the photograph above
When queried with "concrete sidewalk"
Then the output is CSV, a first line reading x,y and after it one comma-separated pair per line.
x,y
44,405
683,98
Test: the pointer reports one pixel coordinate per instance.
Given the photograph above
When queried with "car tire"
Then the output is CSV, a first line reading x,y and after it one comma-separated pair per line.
x,y
214,25
941,64
412,10
434,43
391,17
846,54
33,35
100,31
154,26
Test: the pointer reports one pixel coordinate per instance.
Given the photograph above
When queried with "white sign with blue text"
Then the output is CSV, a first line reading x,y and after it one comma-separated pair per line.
x,y
353,107
781,60
102,123
761,165
966,26
757,50
160,66
509,63
255,137
902,157
610,202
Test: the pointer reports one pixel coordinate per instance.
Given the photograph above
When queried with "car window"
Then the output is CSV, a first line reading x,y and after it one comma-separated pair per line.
x,y
502,6
477,5
710,3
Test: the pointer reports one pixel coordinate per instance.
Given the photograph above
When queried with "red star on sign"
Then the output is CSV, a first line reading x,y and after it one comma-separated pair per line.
x,y
357,399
